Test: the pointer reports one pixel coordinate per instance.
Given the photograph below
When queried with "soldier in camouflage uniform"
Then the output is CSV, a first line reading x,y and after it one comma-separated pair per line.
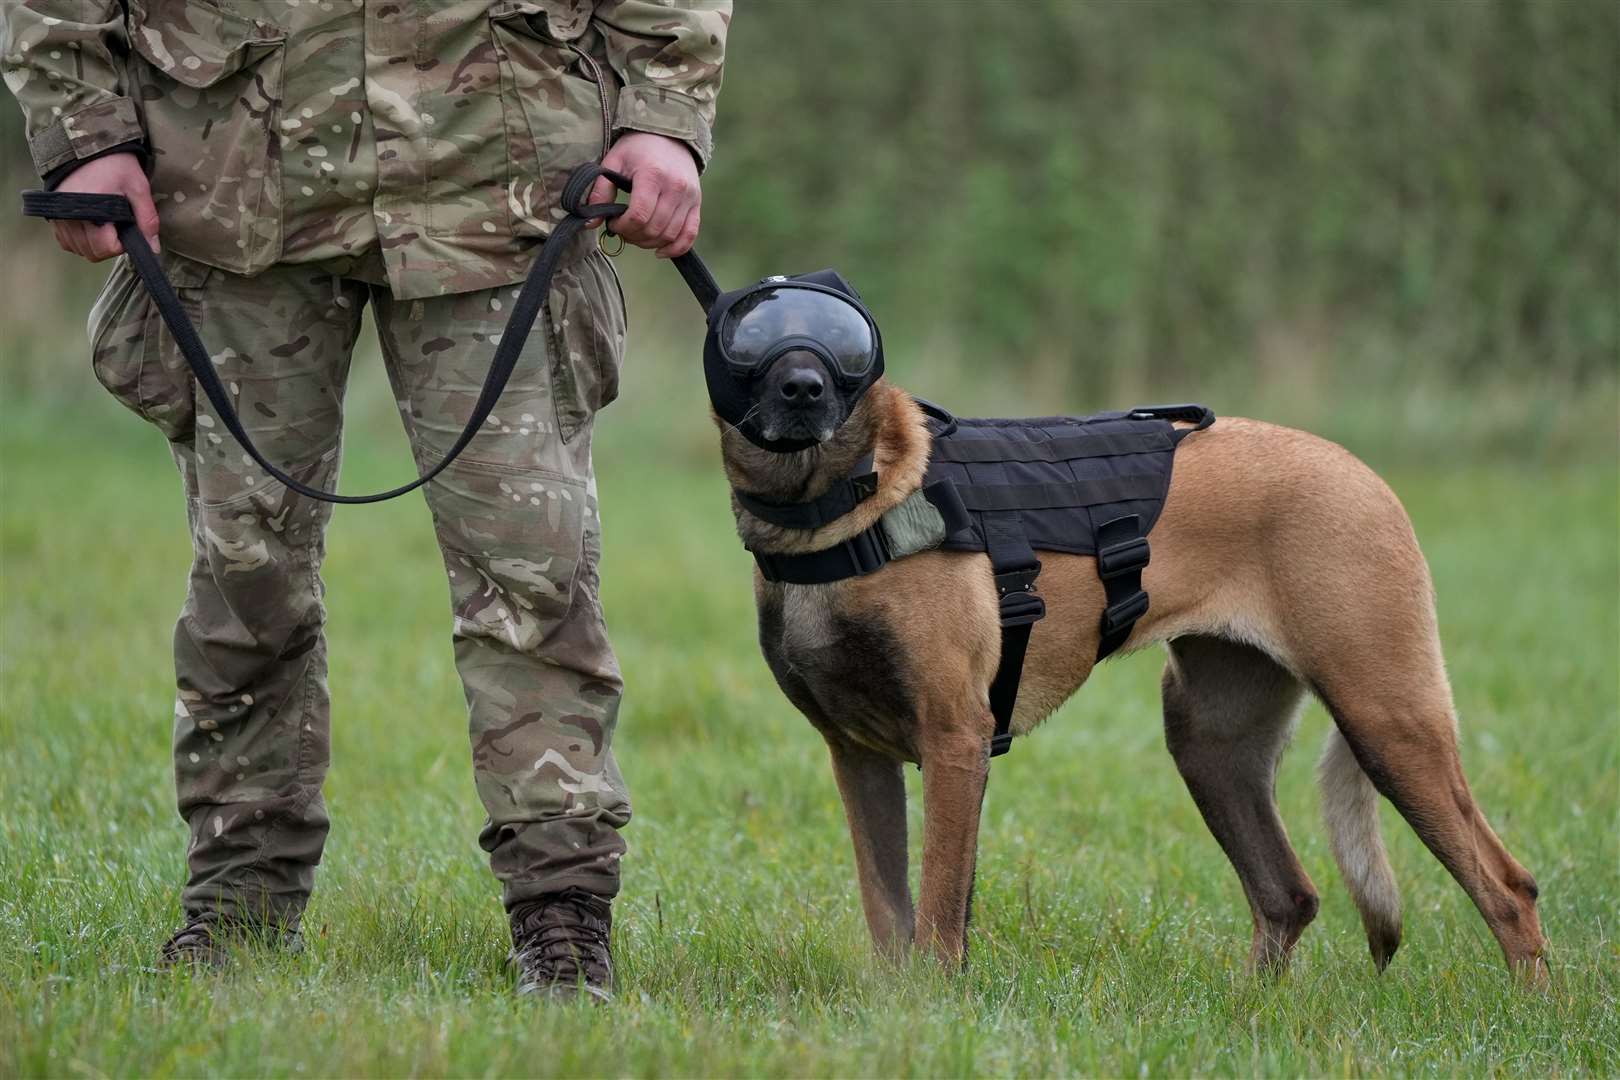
x,y
306,158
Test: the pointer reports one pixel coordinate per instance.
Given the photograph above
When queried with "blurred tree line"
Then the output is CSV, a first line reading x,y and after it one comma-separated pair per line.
x,y
1158,188
1102,196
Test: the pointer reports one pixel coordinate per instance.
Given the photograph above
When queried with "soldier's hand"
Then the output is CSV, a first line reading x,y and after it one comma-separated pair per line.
x,y
115,174
665,199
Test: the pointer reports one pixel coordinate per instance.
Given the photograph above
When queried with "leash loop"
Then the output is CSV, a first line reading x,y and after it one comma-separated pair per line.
x,y
693,270
78,206
116,210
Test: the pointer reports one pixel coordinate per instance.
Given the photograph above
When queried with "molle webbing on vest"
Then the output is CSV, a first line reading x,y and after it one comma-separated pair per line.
x,y
1062,476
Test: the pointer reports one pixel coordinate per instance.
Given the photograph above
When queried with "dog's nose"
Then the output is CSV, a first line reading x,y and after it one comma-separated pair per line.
x,y
802,385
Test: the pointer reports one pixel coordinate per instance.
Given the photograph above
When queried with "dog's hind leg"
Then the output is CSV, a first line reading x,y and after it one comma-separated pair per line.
x,y
955,767
874,794
1402,731
1228,712
1358,615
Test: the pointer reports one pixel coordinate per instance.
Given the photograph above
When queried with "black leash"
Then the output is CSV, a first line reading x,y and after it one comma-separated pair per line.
x,y
115,210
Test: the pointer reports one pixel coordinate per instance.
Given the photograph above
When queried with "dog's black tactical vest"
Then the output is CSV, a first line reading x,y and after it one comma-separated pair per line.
x,y
1089,485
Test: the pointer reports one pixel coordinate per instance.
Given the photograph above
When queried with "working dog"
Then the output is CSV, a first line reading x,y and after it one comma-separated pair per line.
x,y
1282,566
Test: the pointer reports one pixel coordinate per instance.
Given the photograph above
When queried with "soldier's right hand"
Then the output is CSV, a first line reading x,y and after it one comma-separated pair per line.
x,y
115,174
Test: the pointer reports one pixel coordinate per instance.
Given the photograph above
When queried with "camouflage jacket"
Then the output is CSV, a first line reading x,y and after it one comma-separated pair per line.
x,y
427,138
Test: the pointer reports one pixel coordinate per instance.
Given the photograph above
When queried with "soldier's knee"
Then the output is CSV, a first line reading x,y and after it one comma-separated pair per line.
x,y
518,600
268,532
254,605
515,550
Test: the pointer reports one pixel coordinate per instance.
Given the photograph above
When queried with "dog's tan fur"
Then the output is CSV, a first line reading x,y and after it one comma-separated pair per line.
x,y
1281,565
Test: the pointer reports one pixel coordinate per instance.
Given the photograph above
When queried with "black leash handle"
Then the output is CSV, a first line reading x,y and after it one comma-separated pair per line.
x,y
694,271
115,210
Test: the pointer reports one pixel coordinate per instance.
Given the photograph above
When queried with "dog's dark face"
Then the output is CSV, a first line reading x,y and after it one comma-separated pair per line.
x,y
843,426
787,360
798,399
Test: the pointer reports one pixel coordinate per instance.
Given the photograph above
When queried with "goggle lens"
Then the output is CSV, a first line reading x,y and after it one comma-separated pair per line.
x,y
757,322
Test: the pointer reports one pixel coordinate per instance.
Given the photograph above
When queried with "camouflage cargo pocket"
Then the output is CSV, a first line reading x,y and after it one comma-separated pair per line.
x,y
557,100
210,97
565,20
133,354
585,320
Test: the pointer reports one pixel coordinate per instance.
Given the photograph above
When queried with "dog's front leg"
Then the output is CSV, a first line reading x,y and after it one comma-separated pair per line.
x,y
874,793
955,765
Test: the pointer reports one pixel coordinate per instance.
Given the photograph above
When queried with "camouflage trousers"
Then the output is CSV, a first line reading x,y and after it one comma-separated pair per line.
x,y
516,521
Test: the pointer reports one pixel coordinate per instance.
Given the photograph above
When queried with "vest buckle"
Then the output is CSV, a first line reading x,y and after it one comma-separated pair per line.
x,y
1121,616
1127,556
1020,603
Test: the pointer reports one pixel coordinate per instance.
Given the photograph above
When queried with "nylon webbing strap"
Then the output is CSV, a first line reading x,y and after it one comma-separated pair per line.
x,y
116,210
1109,489
1200,416
694,271
1013,563
839,500
864,553
1122,555
77,206
1068,448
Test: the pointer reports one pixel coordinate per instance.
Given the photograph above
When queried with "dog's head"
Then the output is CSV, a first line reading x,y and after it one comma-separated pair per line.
x,y
788,359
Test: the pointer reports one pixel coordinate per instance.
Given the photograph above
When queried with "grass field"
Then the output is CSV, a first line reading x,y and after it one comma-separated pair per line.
x,y
1110,932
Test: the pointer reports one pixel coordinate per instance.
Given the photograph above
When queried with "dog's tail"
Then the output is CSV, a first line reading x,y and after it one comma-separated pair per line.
x,y
1350,805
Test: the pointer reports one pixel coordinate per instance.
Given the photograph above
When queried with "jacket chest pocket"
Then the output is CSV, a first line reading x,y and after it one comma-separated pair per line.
x,y
557,101
208,83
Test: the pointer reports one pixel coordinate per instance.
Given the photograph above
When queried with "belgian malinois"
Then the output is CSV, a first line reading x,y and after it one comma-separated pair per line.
x,y
1281,566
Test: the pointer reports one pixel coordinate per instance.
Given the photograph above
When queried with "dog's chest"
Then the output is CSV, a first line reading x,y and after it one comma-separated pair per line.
x,y
842,669
807,621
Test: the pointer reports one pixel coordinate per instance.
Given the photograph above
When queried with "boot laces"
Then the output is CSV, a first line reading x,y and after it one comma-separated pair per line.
x,y
563,938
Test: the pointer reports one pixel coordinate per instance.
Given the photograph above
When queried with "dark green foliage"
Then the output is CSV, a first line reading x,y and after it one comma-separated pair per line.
x,y
1109,199
1164,188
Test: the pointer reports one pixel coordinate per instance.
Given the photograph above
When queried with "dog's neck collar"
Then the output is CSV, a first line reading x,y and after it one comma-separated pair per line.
x,y
922,519
845,495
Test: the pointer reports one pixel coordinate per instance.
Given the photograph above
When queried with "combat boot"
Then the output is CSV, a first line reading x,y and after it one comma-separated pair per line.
x,y
560,945
204,942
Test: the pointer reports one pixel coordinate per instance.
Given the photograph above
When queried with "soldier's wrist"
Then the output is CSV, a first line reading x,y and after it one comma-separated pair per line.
x,y
91,132
674,115
56,176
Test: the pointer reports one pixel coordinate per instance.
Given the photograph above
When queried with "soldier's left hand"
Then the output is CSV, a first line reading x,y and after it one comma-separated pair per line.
x,y
666,197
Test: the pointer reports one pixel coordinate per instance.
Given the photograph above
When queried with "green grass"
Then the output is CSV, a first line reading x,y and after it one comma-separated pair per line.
x,y
1110,932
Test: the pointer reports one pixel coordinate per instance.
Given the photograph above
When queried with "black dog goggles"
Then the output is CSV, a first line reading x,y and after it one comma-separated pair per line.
x,y
780,315
751,328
